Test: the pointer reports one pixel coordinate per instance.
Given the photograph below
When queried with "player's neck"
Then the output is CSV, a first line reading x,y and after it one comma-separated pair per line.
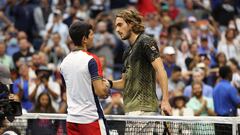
x,y
77,48
133,38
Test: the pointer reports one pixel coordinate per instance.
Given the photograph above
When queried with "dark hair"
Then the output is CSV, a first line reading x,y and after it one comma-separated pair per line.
x,y
176,69
78,30
234,62
49,108
13,129
225,71
134,18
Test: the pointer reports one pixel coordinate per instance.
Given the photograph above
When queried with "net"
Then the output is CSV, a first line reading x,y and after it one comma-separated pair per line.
x,y
55,124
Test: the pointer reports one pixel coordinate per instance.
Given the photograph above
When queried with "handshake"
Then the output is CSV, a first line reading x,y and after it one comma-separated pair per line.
x,y
108,83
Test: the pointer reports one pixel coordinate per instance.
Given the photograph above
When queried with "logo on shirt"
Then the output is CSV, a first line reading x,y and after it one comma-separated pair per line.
x,y
153,48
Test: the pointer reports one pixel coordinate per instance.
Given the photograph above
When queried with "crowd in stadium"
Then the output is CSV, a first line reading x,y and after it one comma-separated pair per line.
x,y
195,39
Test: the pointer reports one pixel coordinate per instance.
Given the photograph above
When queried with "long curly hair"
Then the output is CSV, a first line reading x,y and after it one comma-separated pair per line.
x,y
134,18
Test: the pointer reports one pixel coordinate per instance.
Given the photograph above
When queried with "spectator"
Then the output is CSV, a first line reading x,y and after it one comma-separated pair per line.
x,y
169,59
4,21
63,104
41,14
174,39
226,9
44,84
115,107
228,46
182,55
174,82
201,105
153,27
57,26
42,126
23,55
4,58
104,43
23,15
193,57
11,40
236,73
226,98
179,105
21,87
221,59
198,76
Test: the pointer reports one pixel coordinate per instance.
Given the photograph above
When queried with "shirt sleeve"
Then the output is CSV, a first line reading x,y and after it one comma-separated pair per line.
x,y
234,96
151,49
94,70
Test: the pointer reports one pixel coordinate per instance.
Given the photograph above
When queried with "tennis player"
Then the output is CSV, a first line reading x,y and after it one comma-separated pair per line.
x,y
82,75
142,63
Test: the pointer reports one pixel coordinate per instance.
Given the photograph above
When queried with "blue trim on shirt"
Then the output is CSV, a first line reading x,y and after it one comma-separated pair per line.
x,y
93,69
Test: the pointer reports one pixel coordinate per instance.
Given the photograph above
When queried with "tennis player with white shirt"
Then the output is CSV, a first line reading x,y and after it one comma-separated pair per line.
x,y
82,75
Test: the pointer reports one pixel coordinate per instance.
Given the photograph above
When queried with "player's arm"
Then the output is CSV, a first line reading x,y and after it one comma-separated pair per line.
x,y
153,56
119,84
99,85
100,88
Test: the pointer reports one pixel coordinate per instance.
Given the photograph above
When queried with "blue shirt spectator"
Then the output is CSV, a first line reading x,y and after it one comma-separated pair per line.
x,y
225,98
24,85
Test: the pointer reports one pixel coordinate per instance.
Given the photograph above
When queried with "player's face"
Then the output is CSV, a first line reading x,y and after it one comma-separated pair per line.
x,y
122,28
90,39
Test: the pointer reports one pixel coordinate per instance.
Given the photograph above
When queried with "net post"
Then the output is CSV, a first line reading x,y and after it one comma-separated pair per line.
x,y
234,128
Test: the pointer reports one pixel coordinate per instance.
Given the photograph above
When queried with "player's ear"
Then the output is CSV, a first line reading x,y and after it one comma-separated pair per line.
x,y
84,40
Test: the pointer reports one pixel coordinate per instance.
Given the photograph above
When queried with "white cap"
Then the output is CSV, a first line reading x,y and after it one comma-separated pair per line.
x,y
169,50
192,19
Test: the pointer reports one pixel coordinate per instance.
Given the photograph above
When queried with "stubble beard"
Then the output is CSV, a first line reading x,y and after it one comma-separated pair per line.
x,y
128,34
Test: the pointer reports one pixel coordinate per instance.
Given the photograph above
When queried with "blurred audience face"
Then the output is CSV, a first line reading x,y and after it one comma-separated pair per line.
x,y
230,34
102,27
73,11
42,59
184,47
176,76
189,4
23,70
2,49
24,44
198,76
197,90
170,58
56,38
204,43
166,21
152,20
180,103
233,65
44,100
221,58
194,49
22,35
35,60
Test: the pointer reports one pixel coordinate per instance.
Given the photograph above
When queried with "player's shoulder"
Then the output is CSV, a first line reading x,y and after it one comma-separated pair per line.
x,y
147,41
145,37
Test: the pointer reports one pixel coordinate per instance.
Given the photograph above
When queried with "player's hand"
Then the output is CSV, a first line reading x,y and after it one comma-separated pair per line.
x,y
106,82
166,108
